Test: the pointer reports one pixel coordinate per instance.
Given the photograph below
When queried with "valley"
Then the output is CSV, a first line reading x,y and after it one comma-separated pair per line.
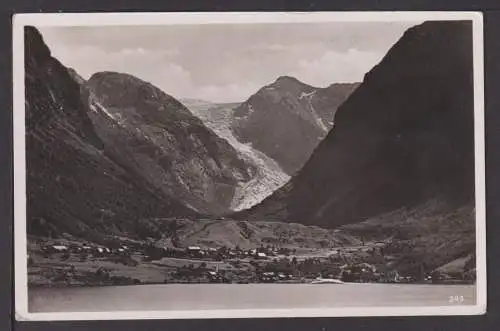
x,y
362,182
72,262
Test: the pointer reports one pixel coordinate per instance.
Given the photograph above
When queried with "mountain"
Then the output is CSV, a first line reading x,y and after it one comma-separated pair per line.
x,y
268,175
287,119
73,185
403,137
153,135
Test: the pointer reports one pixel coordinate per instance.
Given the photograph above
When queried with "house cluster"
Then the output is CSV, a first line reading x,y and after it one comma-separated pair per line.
x,y
437,277
84,249
225,253
271,277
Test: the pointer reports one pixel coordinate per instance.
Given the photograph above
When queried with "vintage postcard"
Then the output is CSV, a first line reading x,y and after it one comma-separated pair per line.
x,y
228,165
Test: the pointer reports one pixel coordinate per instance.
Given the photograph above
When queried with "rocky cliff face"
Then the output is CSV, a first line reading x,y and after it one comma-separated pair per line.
x,y
72,184
404,136
156,137
287,119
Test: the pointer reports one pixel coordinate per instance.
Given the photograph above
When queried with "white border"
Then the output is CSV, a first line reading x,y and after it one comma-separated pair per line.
x,y
136,19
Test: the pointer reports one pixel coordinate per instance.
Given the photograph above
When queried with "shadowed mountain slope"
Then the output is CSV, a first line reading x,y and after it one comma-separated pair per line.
x,y
72,184
404,136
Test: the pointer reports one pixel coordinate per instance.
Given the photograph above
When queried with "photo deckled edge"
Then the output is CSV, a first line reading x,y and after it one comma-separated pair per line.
x,y
19,21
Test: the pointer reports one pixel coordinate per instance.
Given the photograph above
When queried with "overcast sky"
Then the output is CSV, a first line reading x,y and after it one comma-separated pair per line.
x,y
226,62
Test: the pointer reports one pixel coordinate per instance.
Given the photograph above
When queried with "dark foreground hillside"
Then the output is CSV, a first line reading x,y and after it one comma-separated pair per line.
x,y
406,135
72,185
398,166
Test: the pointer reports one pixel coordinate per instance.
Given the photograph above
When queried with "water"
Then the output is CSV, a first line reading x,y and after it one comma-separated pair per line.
x,y
244,296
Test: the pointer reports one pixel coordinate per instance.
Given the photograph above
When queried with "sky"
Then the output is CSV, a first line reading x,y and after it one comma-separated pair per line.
x,y
226,62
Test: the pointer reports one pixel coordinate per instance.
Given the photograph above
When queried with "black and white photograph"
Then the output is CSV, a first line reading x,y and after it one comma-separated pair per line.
x,y
218,165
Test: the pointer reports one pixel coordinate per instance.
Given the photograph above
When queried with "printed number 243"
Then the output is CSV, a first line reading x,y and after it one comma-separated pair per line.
x,y
455,299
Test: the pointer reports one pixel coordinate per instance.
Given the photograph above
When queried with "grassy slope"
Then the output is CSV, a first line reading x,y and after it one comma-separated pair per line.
x,y
432,234
232,233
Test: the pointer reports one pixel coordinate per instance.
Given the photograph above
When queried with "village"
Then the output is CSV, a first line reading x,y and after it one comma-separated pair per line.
x,y
56,263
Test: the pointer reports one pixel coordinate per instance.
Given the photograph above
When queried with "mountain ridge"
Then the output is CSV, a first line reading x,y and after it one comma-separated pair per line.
x,y
164,143
287,118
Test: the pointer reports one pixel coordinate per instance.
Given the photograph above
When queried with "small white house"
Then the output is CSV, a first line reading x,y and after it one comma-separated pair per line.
x,y
60,248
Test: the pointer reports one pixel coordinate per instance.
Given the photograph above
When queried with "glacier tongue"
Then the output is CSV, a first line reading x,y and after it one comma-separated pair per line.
x,y
269,176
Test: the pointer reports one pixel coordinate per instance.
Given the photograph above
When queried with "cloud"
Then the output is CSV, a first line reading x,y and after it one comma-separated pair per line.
x,y
171,78
88,59
132,51
334,66
140,52
234,79
226,63
227,93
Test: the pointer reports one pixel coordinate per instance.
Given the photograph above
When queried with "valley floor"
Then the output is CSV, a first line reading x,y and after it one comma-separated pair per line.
x,y
71,262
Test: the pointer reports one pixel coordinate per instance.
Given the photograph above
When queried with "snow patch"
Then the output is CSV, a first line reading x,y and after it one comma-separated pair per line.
x,y
319,122
52,96
317,119
306,95
96,107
